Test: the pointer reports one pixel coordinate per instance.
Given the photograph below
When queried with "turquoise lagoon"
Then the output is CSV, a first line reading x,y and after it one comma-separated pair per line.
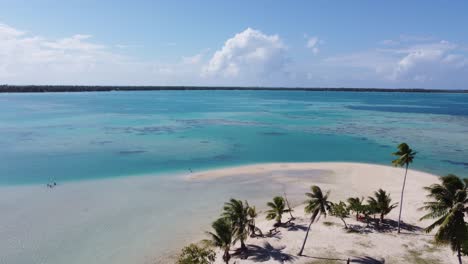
x,y
79,136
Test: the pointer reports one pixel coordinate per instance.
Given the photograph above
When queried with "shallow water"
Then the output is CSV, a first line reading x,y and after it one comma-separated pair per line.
x,y
76,136
125,220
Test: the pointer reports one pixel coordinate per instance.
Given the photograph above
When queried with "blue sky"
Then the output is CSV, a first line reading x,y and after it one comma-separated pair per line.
x,y
252,43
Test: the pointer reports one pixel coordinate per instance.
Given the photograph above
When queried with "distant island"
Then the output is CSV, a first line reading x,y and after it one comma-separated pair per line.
x,y
84,88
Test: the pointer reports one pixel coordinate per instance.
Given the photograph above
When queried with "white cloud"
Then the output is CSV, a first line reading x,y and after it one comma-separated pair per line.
x,y
250,58
32,59
389,42
430,64
434,62
250,55
312,43
195,59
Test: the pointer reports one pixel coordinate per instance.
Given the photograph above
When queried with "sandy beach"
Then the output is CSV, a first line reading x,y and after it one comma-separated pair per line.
x,y
147,219
329,242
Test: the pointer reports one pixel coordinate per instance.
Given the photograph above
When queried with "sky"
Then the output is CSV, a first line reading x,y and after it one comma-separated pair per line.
x,y
385,44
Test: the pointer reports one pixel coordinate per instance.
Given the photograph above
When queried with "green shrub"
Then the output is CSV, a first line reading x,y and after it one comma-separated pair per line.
x,y
194,254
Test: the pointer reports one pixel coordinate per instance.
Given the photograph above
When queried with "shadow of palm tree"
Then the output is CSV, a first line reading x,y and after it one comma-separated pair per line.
x,y
266,253
297,227
389,225
324,258
358,229
368,260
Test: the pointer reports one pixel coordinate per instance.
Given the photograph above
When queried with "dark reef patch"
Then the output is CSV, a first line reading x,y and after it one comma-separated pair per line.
x,y
142,130
224,122
459,163
223,157
100,142
130,152
273,133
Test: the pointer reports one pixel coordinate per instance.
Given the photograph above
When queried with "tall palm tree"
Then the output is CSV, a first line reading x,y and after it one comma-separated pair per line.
x,y
223,236
277,209
448,205
382,203
355,205
237,212
405,156
317,205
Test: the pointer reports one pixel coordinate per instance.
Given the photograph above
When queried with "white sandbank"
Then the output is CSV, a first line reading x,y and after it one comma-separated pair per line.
x,y
147,219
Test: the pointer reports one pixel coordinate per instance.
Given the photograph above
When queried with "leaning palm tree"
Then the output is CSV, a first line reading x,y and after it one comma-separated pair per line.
x,y
341,211
355,205
448,205
237,212
223,236
277,209
289,207
405,157
382,203
317,205
252,214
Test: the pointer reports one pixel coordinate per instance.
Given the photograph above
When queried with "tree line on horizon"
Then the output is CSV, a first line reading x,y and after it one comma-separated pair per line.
x,y
107,88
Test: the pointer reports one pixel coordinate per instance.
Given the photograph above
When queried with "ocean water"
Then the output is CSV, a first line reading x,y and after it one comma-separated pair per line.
x,y
77,136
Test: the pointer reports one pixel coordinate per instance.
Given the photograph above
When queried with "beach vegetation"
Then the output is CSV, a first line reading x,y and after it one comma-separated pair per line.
x,y
195,254
223,236
448,205
341,211
405,156
381,203
317,205
367,211
277,209
253,229
238,214
355,204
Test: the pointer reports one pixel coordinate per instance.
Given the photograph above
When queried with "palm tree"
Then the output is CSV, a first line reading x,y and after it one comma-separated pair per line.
x,y
341,211
367,210
405,157
289,207
355,205
278,208
223,236
237,212
317,205
252,214
448,205
382,203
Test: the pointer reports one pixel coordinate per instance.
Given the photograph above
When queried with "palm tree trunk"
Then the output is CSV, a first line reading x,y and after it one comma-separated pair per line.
x,y
305,239
226,256
345,225
381,218
459,255
243,247
289,207
401,199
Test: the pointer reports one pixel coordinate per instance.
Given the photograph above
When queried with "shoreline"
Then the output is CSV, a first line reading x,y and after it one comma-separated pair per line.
x,y
144,219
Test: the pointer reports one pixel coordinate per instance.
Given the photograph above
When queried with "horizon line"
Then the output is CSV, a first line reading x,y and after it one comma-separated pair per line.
x,y
6,88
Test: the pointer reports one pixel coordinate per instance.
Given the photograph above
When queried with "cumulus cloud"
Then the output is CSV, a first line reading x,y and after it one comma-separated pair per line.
x,y
249,54
429,62
249,58
312,44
